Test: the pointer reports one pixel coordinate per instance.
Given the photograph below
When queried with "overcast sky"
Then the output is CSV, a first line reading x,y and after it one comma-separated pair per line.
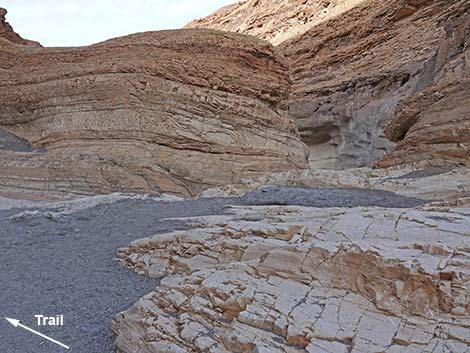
x,y
82,22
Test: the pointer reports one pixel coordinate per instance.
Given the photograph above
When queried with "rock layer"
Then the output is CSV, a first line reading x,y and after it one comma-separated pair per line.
x,y
451,186
274,21
433,126
374,69
293,279
371,79
172,111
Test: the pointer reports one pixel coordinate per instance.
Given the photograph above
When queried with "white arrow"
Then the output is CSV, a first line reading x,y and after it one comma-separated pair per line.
x,y
16,323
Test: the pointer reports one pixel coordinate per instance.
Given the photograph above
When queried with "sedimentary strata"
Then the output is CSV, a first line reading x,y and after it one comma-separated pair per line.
x,y
399,66
293,279
372,80
171,111
274,21
433,126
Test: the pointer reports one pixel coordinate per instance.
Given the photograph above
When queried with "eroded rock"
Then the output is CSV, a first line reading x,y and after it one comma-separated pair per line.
x,y
433,184
274,21
8,34
371,80
293,279
381,73
171,111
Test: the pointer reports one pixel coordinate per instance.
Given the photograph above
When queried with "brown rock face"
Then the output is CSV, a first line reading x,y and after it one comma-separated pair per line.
x,y
171,111
7,32
356,74
434,126
274,21
381,72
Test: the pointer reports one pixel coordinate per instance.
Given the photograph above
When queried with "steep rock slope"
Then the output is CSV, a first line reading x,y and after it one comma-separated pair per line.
x,y
171,111
398,64
274,21
369,74
434,125
7,32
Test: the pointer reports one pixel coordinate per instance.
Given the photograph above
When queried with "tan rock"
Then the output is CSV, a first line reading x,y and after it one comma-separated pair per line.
x,y
357,280
171,111
433,126
371,79
274,21
450,187
359,81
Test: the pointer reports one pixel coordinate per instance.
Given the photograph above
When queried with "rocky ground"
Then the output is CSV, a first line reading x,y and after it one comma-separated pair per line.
x,y
61,259
324,165
292,279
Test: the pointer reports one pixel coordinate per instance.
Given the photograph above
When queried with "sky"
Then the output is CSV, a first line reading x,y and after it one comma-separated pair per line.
x,y
84,22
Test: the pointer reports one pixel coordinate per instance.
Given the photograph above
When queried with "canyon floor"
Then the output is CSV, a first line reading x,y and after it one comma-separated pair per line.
x,y
61,258
318,154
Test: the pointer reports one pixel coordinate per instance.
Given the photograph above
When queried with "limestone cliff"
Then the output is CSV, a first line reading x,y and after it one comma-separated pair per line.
x,y
171,111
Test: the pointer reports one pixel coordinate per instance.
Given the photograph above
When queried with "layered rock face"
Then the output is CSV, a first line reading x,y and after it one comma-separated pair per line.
x,y
172,111
371,77
299,280
401,66
274,21
433,126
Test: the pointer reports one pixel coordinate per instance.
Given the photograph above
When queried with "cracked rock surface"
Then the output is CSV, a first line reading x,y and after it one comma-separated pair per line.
x,y
297,279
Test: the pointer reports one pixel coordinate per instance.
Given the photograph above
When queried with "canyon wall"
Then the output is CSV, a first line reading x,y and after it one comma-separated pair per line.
x,y
433,126
356,79
274,21
171,111
373,82
184,111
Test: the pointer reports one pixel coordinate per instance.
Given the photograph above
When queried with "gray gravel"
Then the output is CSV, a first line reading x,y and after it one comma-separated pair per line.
x,y
10,142
328,197
66,265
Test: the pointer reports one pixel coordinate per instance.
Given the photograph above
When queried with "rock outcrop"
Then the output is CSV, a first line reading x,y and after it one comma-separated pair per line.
x,y
7,32
274,21
381,80
292,279
171,111
433,126
427,184
381,66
